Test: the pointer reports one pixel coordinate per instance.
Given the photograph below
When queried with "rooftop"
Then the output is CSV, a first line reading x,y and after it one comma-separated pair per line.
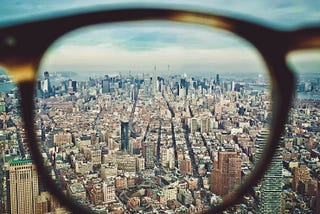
x,y
20,161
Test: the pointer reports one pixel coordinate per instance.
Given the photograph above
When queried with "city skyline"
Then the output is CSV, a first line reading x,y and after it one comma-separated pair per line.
x,y
173,153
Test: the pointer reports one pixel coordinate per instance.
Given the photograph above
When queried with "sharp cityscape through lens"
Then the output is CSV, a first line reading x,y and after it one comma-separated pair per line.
x,y
172,135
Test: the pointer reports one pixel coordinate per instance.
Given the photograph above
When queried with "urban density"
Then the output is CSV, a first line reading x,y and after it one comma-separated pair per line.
x,y
151,143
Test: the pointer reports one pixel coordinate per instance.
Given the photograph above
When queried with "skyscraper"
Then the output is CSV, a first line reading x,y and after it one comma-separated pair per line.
x,y
193,125
106,85
155,80
205,124
72,86
226,174
217,80
271,184
109,195
23,185
46,85
147,152
300,173
124,135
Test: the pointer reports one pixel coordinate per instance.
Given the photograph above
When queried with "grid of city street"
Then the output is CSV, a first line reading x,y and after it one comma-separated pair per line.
x,y
152,143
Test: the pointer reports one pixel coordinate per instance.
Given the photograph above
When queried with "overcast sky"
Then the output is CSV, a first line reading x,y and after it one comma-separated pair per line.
x,y
138,47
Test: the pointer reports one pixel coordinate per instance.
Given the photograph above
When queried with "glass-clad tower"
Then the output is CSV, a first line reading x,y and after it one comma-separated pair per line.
x,y
124,135
270,200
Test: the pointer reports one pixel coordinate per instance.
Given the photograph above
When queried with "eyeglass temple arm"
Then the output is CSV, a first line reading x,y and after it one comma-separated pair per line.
x,y
306,38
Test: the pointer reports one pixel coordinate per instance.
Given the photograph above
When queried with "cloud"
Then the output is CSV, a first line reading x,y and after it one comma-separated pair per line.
x,y
149,35
180,59
141,46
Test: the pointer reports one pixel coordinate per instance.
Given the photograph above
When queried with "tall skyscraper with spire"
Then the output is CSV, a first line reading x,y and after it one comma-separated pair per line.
x,y
155,84
271,184
23,186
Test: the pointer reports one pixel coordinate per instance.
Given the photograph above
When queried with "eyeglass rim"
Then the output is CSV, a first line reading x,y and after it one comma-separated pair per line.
x,y
261,37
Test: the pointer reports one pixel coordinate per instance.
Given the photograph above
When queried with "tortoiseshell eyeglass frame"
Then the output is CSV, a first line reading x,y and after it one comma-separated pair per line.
x,y
23,45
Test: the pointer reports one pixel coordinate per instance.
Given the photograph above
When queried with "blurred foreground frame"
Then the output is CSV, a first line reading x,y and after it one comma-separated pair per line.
x,y
23,45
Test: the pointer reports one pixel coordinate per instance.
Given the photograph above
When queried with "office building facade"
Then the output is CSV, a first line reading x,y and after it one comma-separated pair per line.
x,y
23,185
226,174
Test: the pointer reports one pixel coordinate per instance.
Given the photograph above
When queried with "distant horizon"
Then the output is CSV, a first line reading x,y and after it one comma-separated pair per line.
x,y
204,74
83,75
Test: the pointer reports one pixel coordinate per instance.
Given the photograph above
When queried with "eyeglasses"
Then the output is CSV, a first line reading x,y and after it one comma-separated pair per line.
x,y
22,47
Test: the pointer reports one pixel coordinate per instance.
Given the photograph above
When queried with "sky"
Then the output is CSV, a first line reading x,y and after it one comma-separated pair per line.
x,y
139,47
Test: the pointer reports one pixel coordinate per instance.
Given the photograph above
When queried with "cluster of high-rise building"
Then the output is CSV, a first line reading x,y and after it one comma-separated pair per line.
x,y
151,144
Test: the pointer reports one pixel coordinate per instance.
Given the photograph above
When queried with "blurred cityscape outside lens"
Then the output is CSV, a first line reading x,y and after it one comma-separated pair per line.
x,y
151,116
